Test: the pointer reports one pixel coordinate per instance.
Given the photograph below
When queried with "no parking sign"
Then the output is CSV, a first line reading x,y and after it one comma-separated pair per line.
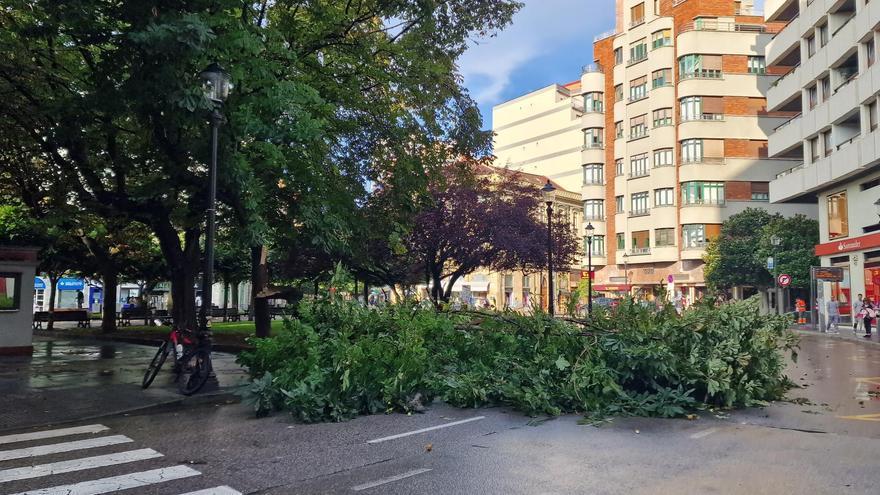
x,y
784,280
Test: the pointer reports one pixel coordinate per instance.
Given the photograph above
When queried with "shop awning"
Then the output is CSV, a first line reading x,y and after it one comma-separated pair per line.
x,y
70,284
39,284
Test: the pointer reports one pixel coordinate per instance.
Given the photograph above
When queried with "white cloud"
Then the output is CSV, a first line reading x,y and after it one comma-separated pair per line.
x,y
537,29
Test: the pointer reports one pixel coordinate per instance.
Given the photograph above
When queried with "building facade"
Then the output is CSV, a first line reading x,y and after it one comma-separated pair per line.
x,y
831,81
673,137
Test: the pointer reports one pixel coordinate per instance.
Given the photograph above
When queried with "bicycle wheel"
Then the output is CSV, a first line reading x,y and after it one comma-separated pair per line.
x,y
194,371
155,365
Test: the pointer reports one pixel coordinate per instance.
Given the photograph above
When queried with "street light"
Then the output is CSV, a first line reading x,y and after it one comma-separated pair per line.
x,y
549,194
775,241
216,85
590,230
626,272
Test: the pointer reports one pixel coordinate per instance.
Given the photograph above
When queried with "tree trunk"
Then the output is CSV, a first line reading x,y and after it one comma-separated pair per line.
x,y
225,300
53,298
260,283
366,293
183,262
235,304
110,280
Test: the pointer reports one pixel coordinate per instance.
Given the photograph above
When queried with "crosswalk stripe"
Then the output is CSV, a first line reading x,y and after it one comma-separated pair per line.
x,y
61,432
97,461
117,483
217,490
56,448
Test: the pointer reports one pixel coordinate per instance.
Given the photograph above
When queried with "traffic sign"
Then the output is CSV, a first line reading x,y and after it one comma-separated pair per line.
x,y
784,280
771,263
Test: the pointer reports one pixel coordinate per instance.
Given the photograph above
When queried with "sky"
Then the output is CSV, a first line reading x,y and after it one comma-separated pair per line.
x,y
548,42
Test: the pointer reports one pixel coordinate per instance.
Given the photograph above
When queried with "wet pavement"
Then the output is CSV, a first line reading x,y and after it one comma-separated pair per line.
x,y
79,379
824,440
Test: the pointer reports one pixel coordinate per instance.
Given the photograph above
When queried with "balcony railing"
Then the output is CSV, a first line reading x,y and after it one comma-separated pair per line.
x,y
636,60
702,74
703,160
638,174
639,213
638,97
791,170
703,202
702,117
637,22
695,245
593,146
638,134
594,218
640,251
730,27
606,34
787,122
592,69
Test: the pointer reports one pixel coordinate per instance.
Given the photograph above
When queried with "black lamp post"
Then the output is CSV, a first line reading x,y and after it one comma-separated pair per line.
x,y
626,273
549,193
590,230
216,85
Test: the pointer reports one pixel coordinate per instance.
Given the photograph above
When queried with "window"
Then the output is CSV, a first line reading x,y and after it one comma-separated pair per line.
x,y
870,53
826,142
703,66
637,14
664,237
872,116
641,241
638,51
663,197
596,246
10,291
757,65
618,129
838,221
618,92
693,236
701,108
618,167
760,191
813,96
593,173
593,137
825,83
618,204
811,46
661,38
594,209
638,88
660,78
692,151
593,102
621,241
618,55
638,165
638,204
662,117
663,157
656,7
823,35
638,126
814,149
702,193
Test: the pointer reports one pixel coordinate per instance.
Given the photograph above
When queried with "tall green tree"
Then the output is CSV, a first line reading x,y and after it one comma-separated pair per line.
x,y
732,258
797,236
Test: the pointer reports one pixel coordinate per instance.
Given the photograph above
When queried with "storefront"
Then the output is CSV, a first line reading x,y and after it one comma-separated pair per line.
x,y
859,260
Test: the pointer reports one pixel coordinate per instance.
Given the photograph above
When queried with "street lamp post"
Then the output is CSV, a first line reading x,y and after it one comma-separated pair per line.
x,y
216,85
775,241
626,273
549,193
590,230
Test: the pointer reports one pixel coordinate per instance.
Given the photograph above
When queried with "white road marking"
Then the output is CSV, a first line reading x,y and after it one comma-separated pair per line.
x,y
217,490
373,484
117,483
861,392
62,432
704,433
28,472
56,448
423,430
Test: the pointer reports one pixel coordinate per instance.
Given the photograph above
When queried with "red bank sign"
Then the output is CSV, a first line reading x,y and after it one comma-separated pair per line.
x,y
848,245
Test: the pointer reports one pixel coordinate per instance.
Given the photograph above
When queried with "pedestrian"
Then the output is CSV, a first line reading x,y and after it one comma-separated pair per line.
x,y
801,307
858,314
80,297
833,309
870,314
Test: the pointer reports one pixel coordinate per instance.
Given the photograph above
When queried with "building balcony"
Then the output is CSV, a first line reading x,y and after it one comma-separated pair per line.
x,y
784,89
694,250
780,10
640,251
784,43
786,137
593,119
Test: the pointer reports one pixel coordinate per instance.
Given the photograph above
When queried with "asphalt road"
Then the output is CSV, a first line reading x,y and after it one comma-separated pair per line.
x,y
826,442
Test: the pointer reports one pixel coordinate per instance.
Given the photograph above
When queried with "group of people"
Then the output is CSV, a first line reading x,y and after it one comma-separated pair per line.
x,y
864,313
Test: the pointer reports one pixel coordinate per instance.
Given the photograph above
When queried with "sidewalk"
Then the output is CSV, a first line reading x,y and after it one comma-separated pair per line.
x,y
845,333
69,380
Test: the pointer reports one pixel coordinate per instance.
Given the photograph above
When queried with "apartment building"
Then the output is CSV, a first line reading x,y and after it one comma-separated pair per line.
x,y
831,81
673,127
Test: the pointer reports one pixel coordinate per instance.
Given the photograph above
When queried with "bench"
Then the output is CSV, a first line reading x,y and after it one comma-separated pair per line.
x,y
276,311
124,317
228,314
80,316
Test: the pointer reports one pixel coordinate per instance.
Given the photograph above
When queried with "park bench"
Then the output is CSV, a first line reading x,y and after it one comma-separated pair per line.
x,y
228,314
277,311
80,316
124,317
163,316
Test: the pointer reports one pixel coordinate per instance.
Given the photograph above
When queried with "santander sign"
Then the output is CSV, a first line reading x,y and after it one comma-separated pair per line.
x,y
848,245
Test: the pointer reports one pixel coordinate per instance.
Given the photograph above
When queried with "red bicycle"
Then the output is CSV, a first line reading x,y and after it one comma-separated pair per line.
x,y
192,361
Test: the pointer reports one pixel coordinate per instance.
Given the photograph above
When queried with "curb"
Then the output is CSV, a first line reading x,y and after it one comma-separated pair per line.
x,y
855,340
227,348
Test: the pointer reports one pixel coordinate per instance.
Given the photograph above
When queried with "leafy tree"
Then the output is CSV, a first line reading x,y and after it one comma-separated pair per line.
x,y
798,236
731,258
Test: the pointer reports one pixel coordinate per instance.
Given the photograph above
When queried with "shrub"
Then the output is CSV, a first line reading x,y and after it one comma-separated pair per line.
x,y
339,360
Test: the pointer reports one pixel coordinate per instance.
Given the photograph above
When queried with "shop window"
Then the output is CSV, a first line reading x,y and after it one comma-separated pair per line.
x,y
838,221
10,291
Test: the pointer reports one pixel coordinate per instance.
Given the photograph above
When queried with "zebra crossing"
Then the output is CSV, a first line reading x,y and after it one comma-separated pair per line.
x,y
79,447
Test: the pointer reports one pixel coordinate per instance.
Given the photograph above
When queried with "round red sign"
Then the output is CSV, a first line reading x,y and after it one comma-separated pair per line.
x,y
784,280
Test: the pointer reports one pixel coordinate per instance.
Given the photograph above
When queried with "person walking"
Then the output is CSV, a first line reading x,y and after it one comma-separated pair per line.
x,y
858,319
870,313
833,309
801,307
80,298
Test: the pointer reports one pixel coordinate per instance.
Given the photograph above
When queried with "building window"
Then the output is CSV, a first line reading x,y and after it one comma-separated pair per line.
x,y
593,102
870,53
692,151
838,220
660,78
702,193
638,88
618,92
593,137
618,129
663,158
814,149
693,236
638,165
664,237
702,66
823,35
618,167
757,65
760,191
825,83
641,242
637,14
662,117
618,204
813,96
638,51
638,127
701,108
621,241
664,196
826,143
638,203
10,291
872,115
811,46
593,173
594,209
618,55
661,38
597,246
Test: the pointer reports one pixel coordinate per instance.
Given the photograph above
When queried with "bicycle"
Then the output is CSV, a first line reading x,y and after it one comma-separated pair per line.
x,y
192,361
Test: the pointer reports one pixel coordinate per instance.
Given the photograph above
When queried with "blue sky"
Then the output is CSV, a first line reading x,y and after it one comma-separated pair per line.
x,y
548,42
